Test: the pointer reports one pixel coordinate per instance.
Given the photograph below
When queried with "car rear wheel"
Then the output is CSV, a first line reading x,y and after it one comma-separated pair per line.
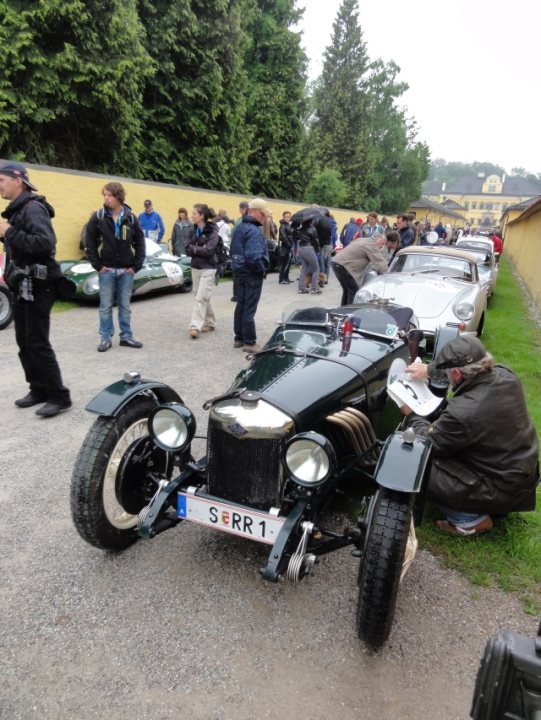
x,y
115,477
382,563
6,307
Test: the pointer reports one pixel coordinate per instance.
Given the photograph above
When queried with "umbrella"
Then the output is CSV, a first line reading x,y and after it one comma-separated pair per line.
x,y
309,213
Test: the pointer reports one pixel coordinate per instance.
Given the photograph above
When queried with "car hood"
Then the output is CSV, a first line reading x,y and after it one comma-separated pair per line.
x,y
309,374
428,297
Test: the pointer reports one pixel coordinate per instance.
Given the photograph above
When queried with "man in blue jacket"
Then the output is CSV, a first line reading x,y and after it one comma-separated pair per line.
x,y
152,223
250,260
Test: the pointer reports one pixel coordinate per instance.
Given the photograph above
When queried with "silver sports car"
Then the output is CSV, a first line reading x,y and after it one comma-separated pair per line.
x,y
440,284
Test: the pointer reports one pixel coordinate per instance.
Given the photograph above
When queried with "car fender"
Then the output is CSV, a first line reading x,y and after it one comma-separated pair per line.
x,y
112,399
403,462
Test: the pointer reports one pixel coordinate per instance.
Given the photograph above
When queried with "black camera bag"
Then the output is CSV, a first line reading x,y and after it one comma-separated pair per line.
x,y
508,684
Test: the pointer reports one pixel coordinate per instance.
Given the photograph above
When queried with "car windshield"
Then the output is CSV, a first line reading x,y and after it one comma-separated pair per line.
x,y
152,248
440,264
482,257
477,244
370,318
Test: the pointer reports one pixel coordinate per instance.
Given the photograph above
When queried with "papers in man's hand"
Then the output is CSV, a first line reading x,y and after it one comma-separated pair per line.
x,y
405,391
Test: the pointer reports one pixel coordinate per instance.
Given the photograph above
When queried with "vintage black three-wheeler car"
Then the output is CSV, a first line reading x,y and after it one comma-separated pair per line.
x,y
309,415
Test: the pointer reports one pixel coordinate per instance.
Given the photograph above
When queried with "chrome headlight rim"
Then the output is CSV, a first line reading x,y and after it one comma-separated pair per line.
x,y
309,459
172,427
363,296
464,310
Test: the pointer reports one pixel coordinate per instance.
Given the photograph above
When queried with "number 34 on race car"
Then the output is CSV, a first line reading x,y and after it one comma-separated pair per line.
x,y
233,519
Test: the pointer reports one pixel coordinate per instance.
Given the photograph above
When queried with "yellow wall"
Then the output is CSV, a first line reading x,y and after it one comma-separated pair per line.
x,y
75,195
522,247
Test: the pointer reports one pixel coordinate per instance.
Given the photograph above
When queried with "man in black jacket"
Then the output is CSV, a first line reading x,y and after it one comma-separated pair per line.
x,y
115,245
31,272
484,444
285,235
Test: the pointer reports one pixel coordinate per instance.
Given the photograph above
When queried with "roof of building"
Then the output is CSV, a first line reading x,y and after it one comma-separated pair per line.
x,y
534,208
452,205
426,204
524,204
473,185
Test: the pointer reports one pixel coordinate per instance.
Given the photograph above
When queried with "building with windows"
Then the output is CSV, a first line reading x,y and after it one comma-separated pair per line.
x,y
481,199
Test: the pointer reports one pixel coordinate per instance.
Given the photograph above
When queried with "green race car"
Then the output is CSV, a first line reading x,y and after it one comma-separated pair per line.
x,y
161,271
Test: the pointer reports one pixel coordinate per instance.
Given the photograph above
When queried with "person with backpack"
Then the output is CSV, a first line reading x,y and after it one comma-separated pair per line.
x,y
115,246
201,248
31,273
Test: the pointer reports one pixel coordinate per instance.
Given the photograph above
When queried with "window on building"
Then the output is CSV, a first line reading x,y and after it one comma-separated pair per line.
x,y
467,205
481,206
492,188
473,205
489,206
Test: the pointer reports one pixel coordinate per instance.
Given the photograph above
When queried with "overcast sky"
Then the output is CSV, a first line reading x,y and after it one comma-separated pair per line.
x,y
473,68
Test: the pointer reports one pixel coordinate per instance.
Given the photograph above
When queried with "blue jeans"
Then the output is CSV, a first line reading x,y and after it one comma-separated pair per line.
x,y
120,286
325,259
248,294
461,519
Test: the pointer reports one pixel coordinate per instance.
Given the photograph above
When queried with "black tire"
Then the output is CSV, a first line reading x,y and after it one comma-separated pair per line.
x,y
381,568
6,307
186,287
104,469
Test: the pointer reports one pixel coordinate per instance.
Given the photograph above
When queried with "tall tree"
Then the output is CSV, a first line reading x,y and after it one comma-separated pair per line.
x,y
195,105
276,103
340,129
71,87
399,162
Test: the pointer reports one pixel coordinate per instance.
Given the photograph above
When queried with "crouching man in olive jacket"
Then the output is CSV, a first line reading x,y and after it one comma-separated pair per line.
x,y
484,444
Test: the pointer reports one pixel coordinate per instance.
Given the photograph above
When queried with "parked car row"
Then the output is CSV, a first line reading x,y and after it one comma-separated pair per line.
x,y
444,285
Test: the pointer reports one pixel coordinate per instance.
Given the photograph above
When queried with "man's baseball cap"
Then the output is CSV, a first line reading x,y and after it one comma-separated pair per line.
x,y
359,221
17,170
463,350
261,205
243,205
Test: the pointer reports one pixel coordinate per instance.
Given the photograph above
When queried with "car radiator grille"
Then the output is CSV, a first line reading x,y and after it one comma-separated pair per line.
x,y
244,470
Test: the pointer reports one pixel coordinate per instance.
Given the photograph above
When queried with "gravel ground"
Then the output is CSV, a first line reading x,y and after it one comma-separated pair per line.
x,y
183,626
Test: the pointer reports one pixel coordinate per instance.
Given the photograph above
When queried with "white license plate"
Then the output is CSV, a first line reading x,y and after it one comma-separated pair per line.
x,y
249,524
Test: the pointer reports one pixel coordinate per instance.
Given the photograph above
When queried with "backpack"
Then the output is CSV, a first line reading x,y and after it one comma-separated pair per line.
x,y
222,256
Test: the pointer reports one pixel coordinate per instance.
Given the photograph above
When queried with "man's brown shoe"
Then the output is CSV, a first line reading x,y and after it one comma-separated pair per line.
x,y
251,348
194,333
208,328
482,526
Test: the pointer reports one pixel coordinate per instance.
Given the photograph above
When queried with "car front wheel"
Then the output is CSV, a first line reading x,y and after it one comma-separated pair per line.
x,y
115,476
382,563
6,307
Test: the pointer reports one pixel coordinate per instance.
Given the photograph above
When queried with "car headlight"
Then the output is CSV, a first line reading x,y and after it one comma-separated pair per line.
x,y
172,427
464,310
363,296
92,285
309,459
